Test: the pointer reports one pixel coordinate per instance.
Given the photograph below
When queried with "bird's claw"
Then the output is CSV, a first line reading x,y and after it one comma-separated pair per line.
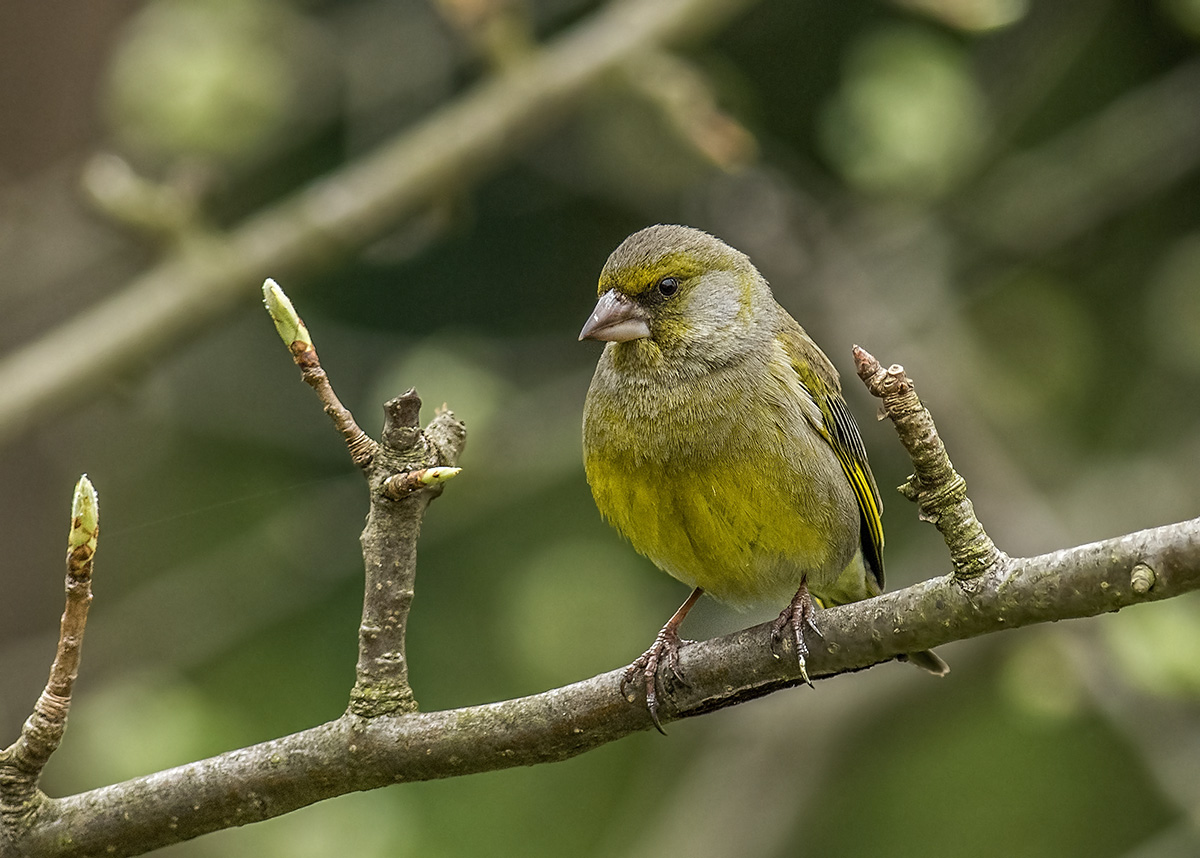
x,y
800,613
664,652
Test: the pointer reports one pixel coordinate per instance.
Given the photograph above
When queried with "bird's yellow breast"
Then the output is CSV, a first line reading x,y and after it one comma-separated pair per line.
x,y
713,527
735,494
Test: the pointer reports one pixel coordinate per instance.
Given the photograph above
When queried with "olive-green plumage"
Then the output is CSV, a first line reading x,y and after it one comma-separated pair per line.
x,y
715,435
720,444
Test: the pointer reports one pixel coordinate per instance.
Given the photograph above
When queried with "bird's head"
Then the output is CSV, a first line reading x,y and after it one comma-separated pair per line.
x,y
674,290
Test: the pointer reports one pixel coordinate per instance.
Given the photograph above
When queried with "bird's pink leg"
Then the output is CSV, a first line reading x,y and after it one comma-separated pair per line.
x,y
665,649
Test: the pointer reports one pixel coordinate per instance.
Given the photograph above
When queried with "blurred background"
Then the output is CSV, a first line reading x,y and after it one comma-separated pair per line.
x,y
1002,195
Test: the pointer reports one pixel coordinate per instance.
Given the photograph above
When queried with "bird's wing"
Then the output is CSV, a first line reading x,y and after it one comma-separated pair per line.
x,y
837,426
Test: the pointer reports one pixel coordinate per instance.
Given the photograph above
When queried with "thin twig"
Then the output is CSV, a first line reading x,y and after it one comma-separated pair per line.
x,y
295,335
402,485
935,486
21,763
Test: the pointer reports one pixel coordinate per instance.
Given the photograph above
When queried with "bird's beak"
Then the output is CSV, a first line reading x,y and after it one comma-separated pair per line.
x,y
616,319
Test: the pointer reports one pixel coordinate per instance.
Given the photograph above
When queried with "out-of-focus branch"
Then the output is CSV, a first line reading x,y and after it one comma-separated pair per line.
x,y
502,32
163,209
1140,144
212,273
685,98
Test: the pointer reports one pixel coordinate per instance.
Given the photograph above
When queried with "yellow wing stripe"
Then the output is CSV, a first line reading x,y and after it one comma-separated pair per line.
x,y
868,504
841,432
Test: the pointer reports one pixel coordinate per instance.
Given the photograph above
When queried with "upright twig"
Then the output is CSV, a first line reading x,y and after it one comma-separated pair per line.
x,y
389,544
295,335
935,486
405,470
22,762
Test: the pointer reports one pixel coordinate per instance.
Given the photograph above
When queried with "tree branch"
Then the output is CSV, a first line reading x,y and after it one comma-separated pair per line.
x,y
354,753
296,337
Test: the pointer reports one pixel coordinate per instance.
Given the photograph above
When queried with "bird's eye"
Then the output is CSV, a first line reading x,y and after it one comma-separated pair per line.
x,y
668,286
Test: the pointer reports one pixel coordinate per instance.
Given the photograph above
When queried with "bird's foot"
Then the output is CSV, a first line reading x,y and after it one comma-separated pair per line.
x,y
801,612
663,653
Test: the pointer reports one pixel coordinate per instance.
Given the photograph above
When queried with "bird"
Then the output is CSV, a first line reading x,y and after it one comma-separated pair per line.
x,y
717,441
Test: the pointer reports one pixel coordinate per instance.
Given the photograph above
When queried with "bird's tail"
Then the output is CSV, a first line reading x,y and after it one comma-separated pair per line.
x,y
928,660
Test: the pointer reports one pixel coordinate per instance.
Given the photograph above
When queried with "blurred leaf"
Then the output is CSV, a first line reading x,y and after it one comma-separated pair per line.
x,y
908,117
1038,342
203,78
1156,646
1040,679
971,15
579,607
1173,308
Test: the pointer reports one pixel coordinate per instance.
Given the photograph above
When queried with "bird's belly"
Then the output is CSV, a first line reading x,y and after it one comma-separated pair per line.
x,y
744,536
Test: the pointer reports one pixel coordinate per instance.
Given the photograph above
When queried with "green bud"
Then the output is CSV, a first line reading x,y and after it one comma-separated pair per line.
x,y
437,476
85,515
283,314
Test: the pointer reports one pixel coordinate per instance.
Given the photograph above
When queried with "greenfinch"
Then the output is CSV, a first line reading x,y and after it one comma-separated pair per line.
x,y
716,439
